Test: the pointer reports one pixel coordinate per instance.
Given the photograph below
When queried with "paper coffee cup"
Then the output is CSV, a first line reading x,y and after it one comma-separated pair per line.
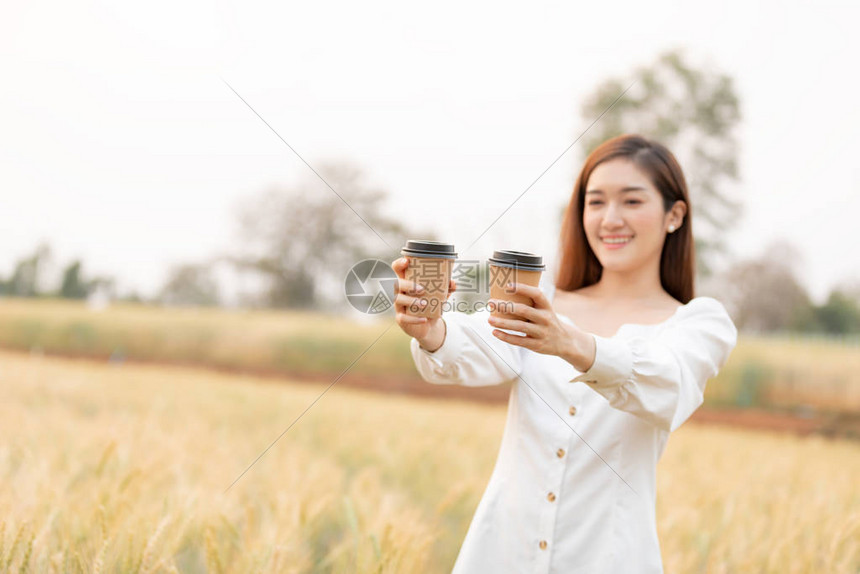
x,y
513,267
431,264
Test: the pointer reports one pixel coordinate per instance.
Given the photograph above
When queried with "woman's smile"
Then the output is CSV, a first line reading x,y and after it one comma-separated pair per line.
x,y
616,241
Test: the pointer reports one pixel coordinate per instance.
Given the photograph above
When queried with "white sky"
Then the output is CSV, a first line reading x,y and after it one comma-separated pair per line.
x,y
120,144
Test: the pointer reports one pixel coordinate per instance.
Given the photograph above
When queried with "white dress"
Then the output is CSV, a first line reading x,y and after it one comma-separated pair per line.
x,y
574,490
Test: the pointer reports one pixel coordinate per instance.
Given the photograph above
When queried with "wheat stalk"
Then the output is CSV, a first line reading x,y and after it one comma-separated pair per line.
x,y
212,558
14,548
149,550
100,558
25,562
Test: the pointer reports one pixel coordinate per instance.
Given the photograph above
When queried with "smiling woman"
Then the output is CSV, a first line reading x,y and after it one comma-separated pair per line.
x,y
598,381
629,191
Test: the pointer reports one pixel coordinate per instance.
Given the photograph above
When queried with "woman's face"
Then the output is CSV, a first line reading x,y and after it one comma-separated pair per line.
x,y
622,204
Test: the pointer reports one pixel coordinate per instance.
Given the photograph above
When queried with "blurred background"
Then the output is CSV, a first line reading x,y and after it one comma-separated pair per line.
x,y
185,188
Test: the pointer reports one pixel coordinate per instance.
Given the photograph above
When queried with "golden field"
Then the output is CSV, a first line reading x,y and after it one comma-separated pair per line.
x,y
125,468
787,373
262,340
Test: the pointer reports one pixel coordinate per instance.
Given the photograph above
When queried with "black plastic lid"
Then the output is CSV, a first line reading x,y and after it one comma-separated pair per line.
x,y
435,249
517,260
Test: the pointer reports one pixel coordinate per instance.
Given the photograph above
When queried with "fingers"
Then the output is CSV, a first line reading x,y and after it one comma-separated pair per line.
x,y
399,266
540,300
409,287
403,303
513,325
406,303
404,285
519,340
511,308
452,287
404,319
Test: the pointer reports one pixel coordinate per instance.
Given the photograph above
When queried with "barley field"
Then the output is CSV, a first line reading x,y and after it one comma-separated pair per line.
x,y
264,340
108,467
790,373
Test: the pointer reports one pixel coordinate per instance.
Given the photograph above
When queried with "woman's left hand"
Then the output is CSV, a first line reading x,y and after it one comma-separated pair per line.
x,y
545,333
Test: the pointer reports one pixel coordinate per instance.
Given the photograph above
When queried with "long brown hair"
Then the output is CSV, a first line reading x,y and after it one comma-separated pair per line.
x,y
578,265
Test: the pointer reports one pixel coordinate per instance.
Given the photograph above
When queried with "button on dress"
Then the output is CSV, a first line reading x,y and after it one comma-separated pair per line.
x,y
573,489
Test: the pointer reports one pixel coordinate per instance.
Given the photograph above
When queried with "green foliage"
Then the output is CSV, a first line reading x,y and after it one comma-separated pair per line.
x,y
25,280
754,376
839,315
74,285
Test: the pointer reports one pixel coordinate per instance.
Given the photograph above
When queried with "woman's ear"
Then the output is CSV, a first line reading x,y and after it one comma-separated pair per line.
x,y
677,213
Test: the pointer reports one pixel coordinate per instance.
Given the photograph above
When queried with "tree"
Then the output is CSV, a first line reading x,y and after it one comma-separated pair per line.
x,y
850,287
26,280
74,286
694,112
839,315
190,285
764,294
302,237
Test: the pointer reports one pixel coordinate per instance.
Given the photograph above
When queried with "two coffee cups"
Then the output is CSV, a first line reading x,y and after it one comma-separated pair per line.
x,y
431,265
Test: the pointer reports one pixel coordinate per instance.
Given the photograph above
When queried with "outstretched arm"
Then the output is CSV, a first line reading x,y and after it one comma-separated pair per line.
x,y
662,379
469,354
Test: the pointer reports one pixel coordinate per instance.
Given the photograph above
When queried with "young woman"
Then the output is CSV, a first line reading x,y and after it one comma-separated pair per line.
x,y
615,356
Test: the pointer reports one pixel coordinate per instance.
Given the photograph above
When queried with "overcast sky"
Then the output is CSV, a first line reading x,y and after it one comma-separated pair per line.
x,y
121,144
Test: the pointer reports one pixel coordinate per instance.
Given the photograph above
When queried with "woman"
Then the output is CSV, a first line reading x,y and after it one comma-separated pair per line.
x,y
615,356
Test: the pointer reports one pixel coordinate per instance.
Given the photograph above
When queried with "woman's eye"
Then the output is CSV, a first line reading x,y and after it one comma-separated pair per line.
x,y
632,201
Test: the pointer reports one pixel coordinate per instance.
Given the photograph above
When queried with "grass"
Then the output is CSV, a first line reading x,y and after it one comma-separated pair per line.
x,y
291,342
793,371
110,467
769,372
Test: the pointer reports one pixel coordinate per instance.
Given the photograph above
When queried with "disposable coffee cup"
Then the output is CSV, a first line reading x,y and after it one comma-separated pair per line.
x,y
431,264
513,267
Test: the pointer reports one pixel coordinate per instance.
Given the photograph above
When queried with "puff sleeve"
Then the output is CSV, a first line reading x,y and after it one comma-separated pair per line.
x,y
470,355
661,378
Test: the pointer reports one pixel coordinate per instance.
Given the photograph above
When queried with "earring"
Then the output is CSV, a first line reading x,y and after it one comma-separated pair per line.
x,y
671,228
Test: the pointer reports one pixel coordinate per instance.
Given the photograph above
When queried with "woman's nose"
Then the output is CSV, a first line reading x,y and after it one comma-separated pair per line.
x,y
612,217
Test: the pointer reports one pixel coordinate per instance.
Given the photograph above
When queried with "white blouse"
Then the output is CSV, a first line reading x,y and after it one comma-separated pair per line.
x,y
574,490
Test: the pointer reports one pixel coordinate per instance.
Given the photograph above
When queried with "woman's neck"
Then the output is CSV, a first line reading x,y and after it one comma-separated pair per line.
x,y
637,285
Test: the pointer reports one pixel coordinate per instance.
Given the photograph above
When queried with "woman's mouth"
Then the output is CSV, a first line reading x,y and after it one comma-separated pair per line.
x,y
616,242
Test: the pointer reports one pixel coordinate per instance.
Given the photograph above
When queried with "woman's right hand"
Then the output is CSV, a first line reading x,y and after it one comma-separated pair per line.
x,y
407,294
